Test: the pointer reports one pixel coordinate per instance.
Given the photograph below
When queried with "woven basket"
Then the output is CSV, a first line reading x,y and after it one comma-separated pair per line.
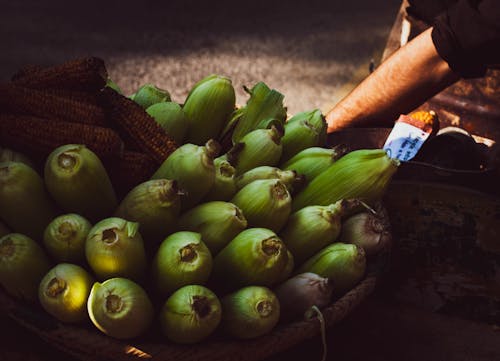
x,y
86,343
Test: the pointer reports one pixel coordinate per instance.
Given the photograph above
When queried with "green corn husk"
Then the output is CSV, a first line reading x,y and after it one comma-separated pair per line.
x,y
182,259
312,161
208,107
3,229
114,248
303,130
190,314
171,117
344,264
256,256
257,148
224,186
156,205
120,308
250,312
64,238
362,174
310,229
79,183
25,205
263,105
23,264
265,203
218,223
192,166
149,94
64,291
290,178
9,155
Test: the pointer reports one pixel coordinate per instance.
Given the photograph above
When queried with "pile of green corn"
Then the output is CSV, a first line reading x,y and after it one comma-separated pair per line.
x,y
213,242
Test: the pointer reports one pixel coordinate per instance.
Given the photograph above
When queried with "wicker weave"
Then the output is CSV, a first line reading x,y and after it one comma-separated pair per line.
x,y
87,344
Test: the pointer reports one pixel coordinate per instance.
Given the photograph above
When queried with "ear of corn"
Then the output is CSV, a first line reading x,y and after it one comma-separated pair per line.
x,y
290,178
362,174
264,104
224,187
171,117
150,94
208,107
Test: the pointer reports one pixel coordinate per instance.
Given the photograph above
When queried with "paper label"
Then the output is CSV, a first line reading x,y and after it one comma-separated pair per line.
x,y
404,141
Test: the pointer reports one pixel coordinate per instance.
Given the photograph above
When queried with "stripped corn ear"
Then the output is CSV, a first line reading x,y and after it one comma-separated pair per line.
x,y
363,174
208,107
263,104
224,186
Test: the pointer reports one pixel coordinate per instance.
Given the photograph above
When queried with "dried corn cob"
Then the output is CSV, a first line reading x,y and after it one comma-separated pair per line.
x,y
37,137
75,95
26,71
23,100
79,74
141,128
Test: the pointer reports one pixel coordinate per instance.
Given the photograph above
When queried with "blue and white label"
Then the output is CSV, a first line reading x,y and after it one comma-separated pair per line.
x,y
404,141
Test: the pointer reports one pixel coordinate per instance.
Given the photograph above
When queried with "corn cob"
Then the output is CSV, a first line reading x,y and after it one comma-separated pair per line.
x,y
208,106
75,95
149,94
38,137
132,120
79,74
363,174
21,100
26,71
264,104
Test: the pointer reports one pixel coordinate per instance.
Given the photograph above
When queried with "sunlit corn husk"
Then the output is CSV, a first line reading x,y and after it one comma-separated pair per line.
x,y
65,236
312,161
250,312
155,205
344,264
362,174
367,230
149,94
79,183
171,117
301,133
256,256
310,229
64,291
290,178
218,223
23,264
4,229
182,259
25,205
9,155
114,248
192,166
120,308
208,107
190,314
257,148
224,187
264,104
265,203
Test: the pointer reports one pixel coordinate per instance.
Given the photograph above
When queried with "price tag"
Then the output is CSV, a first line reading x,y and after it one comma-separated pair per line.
x,y
406,138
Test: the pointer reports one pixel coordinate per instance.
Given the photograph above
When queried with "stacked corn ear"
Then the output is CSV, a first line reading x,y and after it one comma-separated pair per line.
x,y
224,187
257,148
150,94
218,223
192,166
23,263
310,162
310,229
263,106
78,181
303,130
208,107
25,205
344,264
156,205
265,203
256,256
362,174
171,117
290,178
